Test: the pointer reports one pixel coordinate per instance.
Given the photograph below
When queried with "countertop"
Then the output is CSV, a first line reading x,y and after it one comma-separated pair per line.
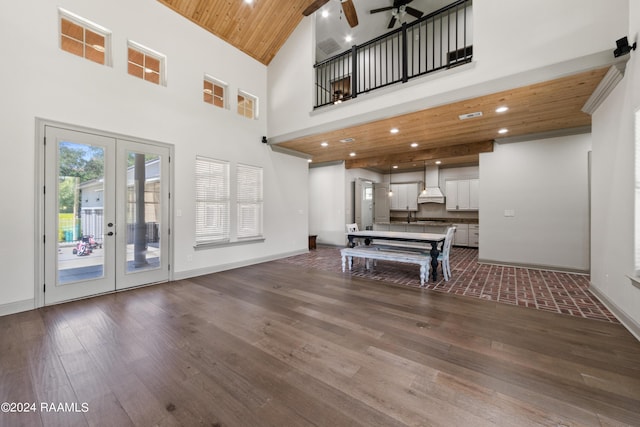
x,y
433,221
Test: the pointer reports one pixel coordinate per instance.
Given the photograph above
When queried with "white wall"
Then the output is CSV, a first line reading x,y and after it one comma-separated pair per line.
x,y
38,79
327,195
515,43
545,183
612,241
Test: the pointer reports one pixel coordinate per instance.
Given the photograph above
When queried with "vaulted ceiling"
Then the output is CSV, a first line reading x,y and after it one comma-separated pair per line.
x,y
261,28
257,29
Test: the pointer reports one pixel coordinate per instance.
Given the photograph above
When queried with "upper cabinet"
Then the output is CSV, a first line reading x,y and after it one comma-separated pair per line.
x,y
405,197
463,195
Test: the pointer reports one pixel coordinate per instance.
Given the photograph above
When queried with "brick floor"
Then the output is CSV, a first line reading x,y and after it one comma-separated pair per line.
x,y
553,291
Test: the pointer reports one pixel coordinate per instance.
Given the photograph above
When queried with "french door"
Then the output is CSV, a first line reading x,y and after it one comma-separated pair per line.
x,y
106,214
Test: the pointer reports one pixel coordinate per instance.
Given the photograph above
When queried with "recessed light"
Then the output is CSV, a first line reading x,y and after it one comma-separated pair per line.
x,y
324,144
325,13
394,130
501,109
348,39
248,1
414,144
347,140
503,131
438,162
395,166
309,160
352,154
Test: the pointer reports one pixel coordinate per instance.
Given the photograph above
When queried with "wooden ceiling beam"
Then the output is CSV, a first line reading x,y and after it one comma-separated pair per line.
x,y
384,162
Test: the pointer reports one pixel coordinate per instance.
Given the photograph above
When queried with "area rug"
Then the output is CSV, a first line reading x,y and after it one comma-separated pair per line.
x,y
558,292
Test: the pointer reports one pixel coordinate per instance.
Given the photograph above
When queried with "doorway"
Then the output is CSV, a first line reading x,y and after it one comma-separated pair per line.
x,y
105,213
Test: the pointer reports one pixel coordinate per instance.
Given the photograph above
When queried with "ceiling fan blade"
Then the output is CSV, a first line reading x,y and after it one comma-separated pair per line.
x,y
317,4
414,12
350,12
392,22
382,9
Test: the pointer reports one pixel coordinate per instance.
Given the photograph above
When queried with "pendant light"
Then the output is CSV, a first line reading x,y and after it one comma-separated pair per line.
x,y
390,190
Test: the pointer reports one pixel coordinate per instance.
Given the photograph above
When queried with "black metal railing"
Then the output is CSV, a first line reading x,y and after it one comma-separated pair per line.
x,y
437,41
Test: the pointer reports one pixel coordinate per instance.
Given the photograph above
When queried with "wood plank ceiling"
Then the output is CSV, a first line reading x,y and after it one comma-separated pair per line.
x,y
257,29
440,135
261,28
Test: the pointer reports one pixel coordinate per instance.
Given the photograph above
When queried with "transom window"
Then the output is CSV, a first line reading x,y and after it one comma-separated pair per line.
x,y
247,105
84,38
215,92
146,64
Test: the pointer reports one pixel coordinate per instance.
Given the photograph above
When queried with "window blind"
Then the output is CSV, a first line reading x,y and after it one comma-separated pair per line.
x,y
249,201
212,201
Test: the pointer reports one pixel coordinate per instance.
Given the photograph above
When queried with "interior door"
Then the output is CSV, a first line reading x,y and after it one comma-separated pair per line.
x,y
106,214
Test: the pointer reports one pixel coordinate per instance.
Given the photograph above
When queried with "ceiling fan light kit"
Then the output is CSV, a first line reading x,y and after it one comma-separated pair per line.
x,y
398,11
348,9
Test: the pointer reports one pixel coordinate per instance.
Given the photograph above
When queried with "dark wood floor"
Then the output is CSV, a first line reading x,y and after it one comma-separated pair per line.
x,y
279,345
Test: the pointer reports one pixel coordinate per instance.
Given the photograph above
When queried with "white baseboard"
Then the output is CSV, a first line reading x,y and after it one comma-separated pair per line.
x,y
179,275
17,307
628,322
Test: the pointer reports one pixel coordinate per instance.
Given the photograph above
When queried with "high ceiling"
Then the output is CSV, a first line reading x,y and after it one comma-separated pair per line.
x,y
260,29
257,29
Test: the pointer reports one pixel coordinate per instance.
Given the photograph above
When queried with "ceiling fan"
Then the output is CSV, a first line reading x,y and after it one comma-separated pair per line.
x,y
348,9
398,9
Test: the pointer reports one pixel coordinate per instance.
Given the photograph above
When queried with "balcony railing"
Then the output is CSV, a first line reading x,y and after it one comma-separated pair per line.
x,y
440,40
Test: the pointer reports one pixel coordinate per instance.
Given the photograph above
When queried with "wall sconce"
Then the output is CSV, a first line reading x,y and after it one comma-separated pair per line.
x,y
623,47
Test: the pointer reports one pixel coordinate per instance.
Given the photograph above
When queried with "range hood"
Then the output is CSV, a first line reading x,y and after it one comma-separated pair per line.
x,y
431,193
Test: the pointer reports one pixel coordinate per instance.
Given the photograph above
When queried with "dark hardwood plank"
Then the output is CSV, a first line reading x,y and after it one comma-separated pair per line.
x,y
274,344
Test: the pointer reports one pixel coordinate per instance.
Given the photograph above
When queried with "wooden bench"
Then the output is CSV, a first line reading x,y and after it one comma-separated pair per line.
x,y
375,253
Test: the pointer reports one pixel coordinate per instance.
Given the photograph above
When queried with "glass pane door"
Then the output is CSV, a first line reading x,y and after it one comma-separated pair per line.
x,y
143,233
79,204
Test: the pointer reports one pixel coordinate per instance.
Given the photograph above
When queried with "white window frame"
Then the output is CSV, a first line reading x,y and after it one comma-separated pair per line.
x,y
225,88
92,26
254,98
637,199
249,201
212,207
154,54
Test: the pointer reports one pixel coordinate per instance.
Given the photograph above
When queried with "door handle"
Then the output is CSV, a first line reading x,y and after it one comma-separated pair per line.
x,y
110,224
110,233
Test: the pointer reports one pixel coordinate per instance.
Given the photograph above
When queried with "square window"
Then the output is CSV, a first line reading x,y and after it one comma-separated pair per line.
x,y
81,37
146,64
247,105
214,92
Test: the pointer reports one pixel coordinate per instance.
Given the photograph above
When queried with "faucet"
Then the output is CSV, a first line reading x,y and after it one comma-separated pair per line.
x,y
408,216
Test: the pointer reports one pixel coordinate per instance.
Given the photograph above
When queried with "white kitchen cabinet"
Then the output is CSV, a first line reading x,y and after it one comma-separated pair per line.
x,y
461,236
462,195
405,197
474,235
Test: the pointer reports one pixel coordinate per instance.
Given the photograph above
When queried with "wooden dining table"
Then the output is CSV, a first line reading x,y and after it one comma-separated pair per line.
x,y
404,239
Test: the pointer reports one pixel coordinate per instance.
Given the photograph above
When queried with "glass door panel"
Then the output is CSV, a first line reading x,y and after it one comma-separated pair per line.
x,y
79,199
145,198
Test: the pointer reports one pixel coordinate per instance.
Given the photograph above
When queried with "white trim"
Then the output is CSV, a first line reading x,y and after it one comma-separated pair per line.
x,y
153,53
70,16
255,102
39,260
180,275
626,320
224,85
17,307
